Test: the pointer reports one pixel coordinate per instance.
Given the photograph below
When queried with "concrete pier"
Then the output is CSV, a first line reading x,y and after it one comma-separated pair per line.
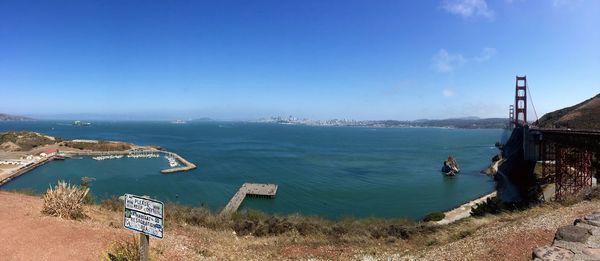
x,y
249,189
187,165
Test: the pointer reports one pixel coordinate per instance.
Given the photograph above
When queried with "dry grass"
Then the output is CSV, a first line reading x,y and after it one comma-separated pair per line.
x,y
124,250
65,201
194,233
100,146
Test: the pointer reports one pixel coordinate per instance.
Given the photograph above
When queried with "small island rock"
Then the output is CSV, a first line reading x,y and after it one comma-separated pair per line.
x,y
450,167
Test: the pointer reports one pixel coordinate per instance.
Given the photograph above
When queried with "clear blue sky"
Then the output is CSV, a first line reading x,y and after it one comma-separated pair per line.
x,y
318,59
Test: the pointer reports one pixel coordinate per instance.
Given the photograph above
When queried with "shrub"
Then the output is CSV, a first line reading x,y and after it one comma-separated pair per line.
x,y
179,214
594,193
65,201
435,216
124,250
113,204
495,206
86,182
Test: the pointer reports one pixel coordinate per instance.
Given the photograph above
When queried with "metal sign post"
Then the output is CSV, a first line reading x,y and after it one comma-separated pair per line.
x,y
144,215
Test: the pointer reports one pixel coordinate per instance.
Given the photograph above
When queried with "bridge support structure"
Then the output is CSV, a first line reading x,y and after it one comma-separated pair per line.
x,y
569,159
511,117
520,109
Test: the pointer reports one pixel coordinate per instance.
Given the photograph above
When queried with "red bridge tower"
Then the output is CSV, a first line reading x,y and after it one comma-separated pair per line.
x,y
520,117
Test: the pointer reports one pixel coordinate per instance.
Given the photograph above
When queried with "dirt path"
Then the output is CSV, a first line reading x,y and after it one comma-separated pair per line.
x,y
28,235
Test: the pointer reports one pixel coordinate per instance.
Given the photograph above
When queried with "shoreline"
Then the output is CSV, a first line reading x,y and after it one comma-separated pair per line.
x,y
464,210
7,174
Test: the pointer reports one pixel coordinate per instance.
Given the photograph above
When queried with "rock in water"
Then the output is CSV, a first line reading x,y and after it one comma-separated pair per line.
x,y
450,166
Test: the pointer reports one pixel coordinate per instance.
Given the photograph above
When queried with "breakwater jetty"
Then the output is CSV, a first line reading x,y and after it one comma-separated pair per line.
x,y
249,189
186,164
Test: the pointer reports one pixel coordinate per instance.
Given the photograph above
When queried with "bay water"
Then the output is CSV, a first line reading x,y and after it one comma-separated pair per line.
x,y
333,172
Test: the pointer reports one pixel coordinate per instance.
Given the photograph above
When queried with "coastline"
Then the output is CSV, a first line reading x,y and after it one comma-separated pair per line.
x,y
9,172
464,210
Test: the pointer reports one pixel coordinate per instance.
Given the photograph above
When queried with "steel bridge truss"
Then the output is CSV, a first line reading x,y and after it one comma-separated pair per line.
x,y
569,159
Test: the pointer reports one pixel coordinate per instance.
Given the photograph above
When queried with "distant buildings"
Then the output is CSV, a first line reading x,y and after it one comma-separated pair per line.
x,y
49,153
463,123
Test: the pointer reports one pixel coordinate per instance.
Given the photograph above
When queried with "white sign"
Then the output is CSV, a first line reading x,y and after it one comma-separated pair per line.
x,y
144,215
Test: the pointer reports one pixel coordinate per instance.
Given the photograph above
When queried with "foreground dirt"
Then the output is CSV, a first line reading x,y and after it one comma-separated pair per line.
x,y
28,235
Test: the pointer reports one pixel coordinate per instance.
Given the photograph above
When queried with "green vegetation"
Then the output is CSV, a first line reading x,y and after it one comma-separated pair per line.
x,y
492,206
113,204
256,223
124,250
65,201
98,146
435,216
86,182
25,140
252,222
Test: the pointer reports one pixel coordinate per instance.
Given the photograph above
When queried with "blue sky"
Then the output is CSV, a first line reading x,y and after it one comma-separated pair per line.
x,y
318,59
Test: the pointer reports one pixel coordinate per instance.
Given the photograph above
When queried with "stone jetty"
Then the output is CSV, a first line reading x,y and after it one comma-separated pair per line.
x,y
186,164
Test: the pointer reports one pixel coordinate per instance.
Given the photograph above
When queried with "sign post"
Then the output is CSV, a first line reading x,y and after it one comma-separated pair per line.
x,y
144,215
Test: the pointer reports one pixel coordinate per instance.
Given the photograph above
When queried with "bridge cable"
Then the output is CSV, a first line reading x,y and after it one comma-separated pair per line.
x,y
531,99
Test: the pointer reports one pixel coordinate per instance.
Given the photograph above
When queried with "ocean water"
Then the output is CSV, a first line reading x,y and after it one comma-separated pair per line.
x,y
332,172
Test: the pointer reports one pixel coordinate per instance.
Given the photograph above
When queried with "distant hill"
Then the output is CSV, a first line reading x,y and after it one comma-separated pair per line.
x,y
202,119
466,123
7,117
585,115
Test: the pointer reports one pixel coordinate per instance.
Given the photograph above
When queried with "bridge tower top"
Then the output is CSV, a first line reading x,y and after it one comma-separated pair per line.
x,y
520,109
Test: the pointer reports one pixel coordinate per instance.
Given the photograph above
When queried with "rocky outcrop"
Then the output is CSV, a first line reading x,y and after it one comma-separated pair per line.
x,y
493,168
450,167
580,241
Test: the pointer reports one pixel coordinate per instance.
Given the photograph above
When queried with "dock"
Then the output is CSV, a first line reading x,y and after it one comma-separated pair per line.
x,y
249,189
187,165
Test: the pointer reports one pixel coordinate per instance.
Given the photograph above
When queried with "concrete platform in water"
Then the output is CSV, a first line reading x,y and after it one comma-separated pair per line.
x,y
249,189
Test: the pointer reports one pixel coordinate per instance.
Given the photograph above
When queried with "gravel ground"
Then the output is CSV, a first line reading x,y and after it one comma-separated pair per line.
x,y
510,239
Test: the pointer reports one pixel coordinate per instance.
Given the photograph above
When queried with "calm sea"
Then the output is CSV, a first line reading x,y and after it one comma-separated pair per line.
x,y
333,172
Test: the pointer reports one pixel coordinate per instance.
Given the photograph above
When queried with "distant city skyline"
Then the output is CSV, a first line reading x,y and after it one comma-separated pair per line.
x,y
234,60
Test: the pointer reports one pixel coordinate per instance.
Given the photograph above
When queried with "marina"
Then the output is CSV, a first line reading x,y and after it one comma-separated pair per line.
x,y
175,161
33,162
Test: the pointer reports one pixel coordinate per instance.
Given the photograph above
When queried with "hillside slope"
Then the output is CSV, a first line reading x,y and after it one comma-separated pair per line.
x,y
585,115
508,236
